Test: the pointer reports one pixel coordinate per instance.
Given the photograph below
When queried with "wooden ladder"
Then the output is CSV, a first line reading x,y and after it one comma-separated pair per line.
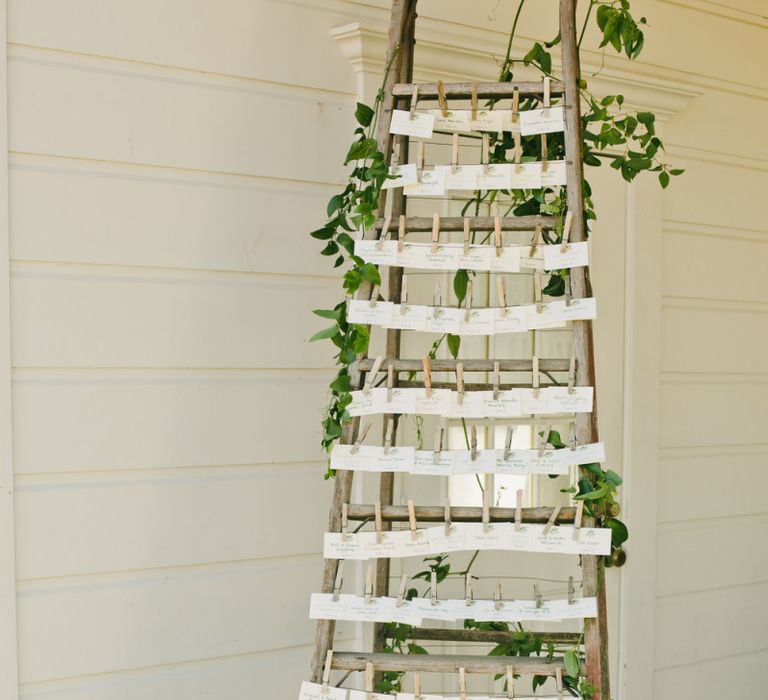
x,y
398,90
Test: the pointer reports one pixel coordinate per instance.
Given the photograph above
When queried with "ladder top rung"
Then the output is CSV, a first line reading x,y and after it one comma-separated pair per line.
x,y
478,223
447,634
484,90
464,514
545,365
444,663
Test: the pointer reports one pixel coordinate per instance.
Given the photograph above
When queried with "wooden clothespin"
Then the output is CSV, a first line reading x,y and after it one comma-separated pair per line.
x,y
371,378
543,440
401,591
508,443
510,682
572,442
460,382
544,154
344,518
416,686
401,234
535,379
486,153
327,670
438,447
377,520
537,291
394,161
420,154
515,106
441,98
518,509
389,435
426,364
433,587
390,381
497,602
518,152
403,293
412,519
473,444
454,152
568,289
435,232
436,298
360,438
571,591
339,582
577,520
374,296
535,240
468,589
486,509
559,682
462,683
369,678
497,234
467,234
414,100
572,375
552,520
473,103
501,293
368,594
566,231
496,379
468,302
447,517
537,595
384,230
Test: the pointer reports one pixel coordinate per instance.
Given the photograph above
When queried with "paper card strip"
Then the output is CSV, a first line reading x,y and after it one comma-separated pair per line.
x,y
419,125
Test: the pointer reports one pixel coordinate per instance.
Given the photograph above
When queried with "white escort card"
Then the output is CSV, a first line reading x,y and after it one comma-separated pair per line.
x,y
422,256
370,458
370,313
486,120
432,184
405,174
526,176
455,120
379,252
315,691
504,536
574,255
542,121
419,124
459,177
554,175
495,176
512,403
373,458
408,317
356,608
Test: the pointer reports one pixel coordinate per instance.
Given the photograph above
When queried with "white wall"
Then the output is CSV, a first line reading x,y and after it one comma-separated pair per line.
x,y
165,162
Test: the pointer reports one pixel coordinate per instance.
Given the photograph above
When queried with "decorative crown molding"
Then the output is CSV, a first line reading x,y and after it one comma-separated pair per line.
x,y
475,54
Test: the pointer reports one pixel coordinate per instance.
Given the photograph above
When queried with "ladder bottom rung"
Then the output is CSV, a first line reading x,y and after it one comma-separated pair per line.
x,y
440,663
463,514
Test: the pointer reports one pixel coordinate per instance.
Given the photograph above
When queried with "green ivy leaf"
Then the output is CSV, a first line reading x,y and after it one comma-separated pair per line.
x,y
333,314
454,343
361,150
619,531
363,114
572,665
331,248
331,332
664,179
334,204
460,282
322,234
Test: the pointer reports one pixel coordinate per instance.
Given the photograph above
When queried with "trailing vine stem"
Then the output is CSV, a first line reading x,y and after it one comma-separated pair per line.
x,y
627,140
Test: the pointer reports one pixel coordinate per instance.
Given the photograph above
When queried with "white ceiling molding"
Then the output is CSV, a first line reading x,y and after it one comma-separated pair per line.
x,y
475,54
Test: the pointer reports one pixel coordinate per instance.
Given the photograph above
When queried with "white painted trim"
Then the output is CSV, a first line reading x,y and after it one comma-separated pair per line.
x,y
9,680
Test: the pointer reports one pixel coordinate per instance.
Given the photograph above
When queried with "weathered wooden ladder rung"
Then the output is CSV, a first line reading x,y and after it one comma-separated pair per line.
x,y
416,224
446,634
463,514
429,91
439,663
